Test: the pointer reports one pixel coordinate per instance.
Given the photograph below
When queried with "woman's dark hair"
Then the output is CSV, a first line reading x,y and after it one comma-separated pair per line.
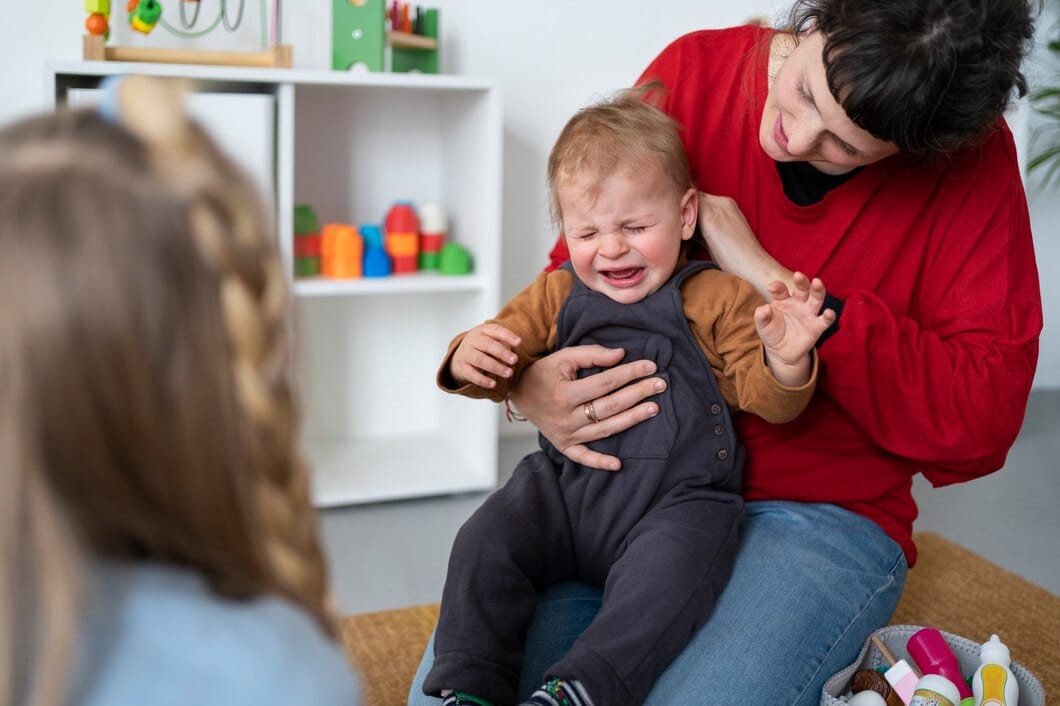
x,y
931,76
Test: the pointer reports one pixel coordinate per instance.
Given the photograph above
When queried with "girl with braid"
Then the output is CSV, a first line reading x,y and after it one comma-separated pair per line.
x,y
157,543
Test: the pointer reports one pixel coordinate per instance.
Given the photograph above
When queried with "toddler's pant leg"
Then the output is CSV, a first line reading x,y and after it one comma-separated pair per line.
x,y
661,589
515,543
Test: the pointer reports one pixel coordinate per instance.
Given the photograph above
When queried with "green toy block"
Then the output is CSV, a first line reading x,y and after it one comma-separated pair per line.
x,y
306,266
358,34
100,6
305,219
430,261
422,60
455,259
145,15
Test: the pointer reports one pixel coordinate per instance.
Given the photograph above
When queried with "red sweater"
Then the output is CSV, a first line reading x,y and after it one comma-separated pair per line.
x,y
936,349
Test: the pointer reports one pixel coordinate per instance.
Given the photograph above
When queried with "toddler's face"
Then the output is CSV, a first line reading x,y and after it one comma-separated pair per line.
x,y
625,235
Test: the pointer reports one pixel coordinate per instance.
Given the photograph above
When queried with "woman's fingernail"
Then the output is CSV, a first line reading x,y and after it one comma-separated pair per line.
x,y
652,410
649,368
660,385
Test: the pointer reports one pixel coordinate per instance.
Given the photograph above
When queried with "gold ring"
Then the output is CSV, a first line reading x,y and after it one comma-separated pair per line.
x,y
590,413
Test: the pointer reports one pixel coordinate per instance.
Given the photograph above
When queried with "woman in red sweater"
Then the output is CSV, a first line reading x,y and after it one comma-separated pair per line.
x,y
866,148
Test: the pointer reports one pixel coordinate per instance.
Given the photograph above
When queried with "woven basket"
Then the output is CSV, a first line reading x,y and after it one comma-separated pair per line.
x,y
896,637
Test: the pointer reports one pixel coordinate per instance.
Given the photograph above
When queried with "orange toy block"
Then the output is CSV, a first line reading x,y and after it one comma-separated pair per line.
x,y
342,251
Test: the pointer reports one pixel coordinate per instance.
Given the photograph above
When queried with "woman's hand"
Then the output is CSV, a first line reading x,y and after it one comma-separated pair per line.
x,y
563,408
735,248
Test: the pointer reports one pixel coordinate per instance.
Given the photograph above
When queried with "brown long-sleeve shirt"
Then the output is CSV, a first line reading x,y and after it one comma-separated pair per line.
x,y
720,312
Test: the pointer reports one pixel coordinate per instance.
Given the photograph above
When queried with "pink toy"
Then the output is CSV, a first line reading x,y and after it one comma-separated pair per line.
x,y
929,649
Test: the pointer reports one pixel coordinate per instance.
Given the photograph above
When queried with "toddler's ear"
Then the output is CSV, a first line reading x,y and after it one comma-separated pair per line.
x,y
689,213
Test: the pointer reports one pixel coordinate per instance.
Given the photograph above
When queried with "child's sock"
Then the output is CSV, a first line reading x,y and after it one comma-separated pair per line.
x,y
460,698
560,692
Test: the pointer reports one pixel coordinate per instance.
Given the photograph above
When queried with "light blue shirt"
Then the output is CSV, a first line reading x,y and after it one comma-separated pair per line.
x,y
158,636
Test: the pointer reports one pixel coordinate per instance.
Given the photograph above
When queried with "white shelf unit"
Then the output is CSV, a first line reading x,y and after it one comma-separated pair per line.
x,y
376,427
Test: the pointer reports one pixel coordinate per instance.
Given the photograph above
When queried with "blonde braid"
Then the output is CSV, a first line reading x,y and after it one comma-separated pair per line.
x,y
232,237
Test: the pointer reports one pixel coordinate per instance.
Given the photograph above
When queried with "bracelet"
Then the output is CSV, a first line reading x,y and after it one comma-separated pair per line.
x,y
511,414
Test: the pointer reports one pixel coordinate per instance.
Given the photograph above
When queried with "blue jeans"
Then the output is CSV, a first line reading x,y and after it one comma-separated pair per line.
x,y
811,581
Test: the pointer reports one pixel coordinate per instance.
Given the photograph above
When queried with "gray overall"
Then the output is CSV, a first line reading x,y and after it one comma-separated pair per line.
x,y
659,536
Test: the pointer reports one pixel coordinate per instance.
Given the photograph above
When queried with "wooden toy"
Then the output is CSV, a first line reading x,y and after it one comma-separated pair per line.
x,y
357,35
306,266
342,251
432,236
305,219
98,21
307,241
372,234
307,252
376,261
455,259
308,245
414,42
97,24
145,15
402,238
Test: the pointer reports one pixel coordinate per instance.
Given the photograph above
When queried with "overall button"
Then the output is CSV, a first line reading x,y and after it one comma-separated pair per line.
x,y
723,454
715,408
718,430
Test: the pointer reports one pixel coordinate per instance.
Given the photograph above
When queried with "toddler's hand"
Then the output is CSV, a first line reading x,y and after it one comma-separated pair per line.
x,y
789,324
486,349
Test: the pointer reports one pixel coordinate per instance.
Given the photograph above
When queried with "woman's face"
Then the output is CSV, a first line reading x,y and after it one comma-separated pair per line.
x,y
802,122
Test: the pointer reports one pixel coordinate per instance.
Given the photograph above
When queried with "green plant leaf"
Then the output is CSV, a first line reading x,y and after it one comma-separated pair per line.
x,y
1043,157
1052,175
1046,102
1050,160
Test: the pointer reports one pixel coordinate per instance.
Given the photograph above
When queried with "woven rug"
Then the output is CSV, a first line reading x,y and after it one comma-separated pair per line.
x,y
954,589
951,588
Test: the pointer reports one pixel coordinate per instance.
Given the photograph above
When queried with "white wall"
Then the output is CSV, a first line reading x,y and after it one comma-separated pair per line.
x,y
1044,69
549,60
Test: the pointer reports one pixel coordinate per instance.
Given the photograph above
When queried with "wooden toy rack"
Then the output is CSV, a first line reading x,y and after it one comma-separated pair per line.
x,y
96,49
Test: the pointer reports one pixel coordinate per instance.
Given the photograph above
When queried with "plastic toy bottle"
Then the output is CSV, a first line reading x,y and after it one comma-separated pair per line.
x,y
935,690
994,684
933,655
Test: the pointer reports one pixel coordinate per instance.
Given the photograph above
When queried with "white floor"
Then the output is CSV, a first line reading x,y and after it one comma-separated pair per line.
x,y
389,555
